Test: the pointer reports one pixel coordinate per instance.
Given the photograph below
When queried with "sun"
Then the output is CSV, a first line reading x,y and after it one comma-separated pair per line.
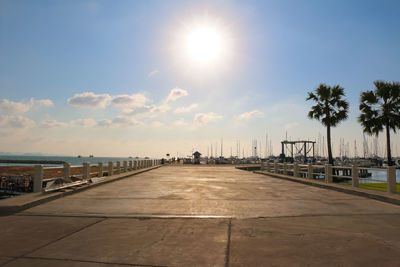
x,y
204,44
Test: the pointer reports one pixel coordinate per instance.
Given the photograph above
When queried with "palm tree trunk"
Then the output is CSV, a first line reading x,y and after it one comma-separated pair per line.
x,y
328,139
389,153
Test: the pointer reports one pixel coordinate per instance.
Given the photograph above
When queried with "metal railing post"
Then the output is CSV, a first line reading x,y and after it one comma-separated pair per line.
x,y
262,166
38,178
268,166
354,176
67,172
110,168
310,171
100,171
130,164
328,173
391,179
275,167
135,165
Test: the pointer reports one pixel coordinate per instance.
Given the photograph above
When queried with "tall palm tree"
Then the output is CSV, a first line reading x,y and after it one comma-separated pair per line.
x,y
380,109
330,109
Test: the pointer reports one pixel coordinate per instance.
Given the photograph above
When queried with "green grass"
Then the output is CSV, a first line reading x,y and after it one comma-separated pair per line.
x,y
376,186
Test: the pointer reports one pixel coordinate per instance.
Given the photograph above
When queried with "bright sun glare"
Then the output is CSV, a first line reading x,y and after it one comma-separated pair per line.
x,y
204,44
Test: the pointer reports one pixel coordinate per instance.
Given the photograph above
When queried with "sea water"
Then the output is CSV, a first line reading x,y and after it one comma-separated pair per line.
x,y
74,161
381,175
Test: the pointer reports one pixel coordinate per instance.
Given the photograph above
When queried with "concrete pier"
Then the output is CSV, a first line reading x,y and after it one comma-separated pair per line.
x,y
203,216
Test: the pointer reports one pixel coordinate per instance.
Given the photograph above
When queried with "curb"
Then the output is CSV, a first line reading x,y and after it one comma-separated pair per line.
x,y
380,196
6,210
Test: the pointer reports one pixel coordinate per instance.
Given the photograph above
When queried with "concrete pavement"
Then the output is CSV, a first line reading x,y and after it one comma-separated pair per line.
x,y
203,216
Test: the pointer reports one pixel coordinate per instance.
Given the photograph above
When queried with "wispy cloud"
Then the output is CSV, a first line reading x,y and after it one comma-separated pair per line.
x,y
151,111
15,121
86,123
186,109
93,101
154,72
251,114
90,100
180,122
83,122
175,94
119,121
11,107
156,124
201,119
131,101
52,124
104,123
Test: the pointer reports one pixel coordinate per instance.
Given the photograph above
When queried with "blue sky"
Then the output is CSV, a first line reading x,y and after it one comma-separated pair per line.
x,y
110,77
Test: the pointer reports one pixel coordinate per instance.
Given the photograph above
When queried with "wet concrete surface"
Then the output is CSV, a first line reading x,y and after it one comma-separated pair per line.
x,y
203,216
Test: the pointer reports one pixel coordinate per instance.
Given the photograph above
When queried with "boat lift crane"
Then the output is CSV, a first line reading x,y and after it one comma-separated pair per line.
x,y
305,149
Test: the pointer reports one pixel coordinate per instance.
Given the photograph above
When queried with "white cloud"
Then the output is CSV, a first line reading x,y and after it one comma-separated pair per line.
x,y
119,121
11,107
175,94
179,122
83,122
90,100
250,115
74,123
205,118
156,124
17,121
104,123
129,101
154,72
42,103
186,109
147,111
52,124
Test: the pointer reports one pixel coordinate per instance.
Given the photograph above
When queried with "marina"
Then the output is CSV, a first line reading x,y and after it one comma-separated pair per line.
x,y
199,133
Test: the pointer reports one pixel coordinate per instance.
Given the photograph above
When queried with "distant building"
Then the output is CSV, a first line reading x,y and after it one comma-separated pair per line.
x,y
196,157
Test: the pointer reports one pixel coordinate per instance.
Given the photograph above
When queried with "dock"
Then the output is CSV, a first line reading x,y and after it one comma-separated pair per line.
x,y
187,215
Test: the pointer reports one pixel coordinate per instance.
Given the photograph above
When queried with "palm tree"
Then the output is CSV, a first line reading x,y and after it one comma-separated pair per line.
x,y
330,109
380,109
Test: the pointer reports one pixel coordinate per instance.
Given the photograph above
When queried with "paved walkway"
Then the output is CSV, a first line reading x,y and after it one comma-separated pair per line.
x,y
203,216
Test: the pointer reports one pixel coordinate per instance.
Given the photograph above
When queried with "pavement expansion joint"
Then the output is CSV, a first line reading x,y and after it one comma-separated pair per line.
x,y
212,199
130,216
10,260
62,237
88,261
319,215
188,216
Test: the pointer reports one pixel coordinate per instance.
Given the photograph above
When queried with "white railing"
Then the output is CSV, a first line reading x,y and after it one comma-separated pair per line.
x,y
78,175
327,172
